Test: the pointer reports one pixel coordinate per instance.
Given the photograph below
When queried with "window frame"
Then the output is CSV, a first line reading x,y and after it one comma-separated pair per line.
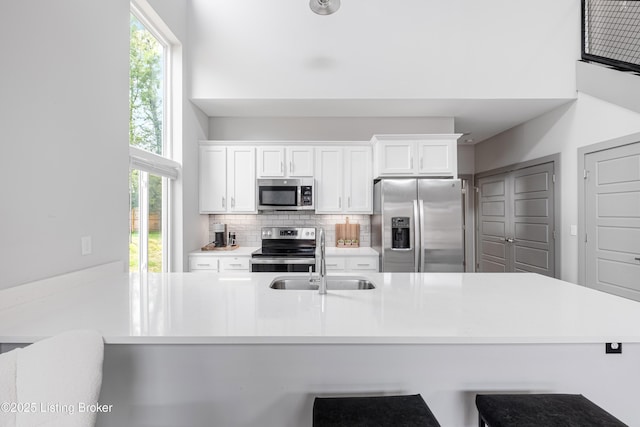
x,y
147,162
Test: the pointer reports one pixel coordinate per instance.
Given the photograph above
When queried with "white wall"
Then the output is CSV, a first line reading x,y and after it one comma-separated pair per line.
x,y
586,121
466,159
373,49
64,136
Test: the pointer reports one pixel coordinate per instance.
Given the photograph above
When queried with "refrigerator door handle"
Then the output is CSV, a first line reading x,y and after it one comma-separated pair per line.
x,y
423,243
417,219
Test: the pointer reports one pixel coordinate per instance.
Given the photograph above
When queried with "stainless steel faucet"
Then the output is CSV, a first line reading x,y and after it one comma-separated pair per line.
x,y
322,273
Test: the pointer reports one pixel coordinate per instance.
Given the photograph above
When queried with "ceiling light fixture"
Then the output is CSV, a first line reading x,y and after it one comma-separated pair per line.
x,y
324,7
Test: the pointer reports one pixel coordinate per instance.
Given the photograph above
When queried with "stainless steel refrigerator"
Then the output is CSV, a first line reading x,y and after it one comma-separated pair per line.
x,y
417,225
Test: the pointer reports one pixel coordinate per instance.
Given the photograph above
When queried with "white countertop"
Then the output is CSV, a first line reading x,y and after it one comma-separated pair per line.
x,y
330,251
240,251
347,252
405,308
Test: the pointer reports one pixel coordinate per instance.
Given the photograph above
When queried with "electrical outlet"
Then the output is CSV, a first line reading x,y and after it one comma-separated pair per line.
x,y
86,245
613,348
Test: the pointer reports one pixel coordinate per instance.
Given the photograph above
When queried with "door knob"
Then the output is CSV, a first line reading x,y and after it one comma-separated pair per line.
x,y
509,240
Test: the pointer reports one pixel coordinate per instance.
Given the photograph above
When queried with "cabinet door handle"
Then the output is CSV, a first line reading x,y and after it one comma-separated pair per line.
x,y
290,167
349,201
224,202
233,202
236,265
420,162
332,265
202,265
282,167
411,163
340,202
363,265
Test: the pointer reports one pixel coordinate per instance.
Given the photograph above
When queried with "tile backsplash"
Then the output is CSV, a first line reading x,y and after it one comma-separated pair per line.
x,y
247,227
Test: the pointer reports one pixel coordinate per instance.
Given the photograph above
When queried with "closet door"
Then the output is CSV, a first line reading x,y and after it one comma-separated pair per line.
x,y
516,229
612,212
493,224
533,220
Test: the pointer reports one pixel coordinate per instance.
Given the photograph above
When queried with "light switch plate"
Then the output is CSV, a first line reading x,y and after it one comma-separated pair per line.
x,y
574,230
86,245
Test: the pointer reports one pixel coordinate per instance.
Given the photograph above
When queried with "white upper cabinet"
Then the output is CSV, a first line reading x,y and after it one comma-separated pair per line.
x,y
396,157
285,161
329,180
416,155
241,181
438,158
270,162
358,179
227,179
213,178
344,179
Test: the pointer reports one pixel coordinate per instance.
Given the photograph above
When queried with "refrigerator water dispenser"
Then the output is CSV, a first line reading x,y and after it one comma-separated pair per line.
x,y
400,232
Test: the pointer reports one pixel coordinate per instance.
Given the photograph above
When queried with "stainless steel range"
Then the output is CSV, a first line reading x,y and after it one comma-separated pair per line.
x,y
285,249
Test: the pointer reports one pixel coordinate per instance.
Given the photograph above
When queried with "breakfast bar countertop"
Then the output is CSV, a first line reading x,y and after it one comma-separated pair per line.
x,y
404,308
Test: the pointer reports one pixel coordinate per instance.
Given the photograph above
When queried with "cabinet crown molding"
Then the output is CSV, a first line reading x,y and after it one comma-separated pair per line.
x,y
258,143
416,136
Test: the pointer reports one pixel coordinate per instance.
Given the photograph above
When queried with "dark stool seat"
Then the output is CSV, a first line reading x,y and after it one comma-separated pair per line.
x,y
376,411
536,410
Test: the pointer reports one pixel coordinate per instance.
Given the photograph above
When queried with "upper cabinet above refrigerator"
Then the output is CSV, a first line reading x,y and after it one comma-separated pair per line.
x,y
428,155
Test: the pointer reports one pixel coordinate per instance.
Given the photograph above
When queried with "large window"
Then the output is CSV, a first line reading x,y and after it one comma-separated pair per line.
x,y
151,167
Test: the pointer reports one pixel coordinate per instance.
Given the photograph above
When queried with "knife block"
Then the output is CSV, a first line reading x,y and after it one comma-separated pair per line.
x,y
347,235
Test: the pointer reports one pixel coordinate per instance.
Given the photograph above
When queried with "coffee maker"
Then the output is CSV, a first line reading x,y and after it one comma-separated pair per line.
x,y
220,235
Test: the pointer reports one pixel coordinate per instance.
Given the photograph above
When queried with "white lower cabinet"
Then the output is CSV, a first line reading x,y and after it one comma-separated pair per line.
x,y
208,263
335,264
363,263
234,263
352,264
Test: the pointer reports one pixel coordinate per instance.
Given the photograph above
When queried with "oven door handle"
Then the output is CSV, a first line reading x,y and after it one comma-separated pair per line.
x,y
309,261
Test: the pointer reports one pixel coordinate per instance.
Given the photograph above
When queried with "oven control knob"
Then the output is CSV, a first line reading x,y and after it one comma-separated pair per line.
x,y
313,233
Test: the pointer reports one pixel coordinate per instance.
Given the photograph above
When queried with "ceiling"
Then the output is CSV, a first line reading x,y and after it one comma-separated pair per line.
x,y
478,119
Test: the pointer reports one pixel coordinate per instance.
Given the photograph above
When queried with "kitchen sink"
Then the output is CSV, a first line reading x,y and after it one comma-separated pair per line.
x,y
334,283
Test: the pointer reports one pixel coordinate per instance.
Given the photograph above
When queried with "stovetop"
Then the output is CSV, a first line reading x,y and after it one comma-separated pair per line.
x,y
281,242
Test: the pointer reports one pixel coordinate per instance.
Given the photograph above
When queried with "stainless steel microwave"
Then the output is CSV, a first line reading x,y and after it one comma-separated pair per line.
x,y
288,194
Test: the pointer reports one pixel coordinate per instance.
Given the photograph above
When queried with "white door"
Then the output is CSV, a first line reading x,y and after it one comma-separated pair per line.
x,y
396,157
242,179
329,180
358,179
612,211
213,179
438,158
300,161
271,162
